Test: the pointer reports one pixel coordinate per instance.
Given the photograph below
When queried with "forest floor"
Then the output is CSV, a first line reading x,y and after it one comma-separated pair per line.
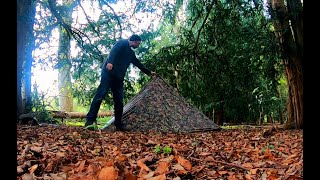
x,y
74,153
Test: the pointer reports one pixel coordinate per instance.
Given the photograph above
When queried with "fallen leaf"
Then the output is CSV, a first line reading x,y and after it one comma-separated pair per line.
x,y
59,176
162,167
247,165
160,177
19,170
248,177
81,166
149,175
141,164
253,171
33,168
92,168
122,158
232,177
108,173
49,167
197,169
205,154
130,176
184,162
36,149
223,172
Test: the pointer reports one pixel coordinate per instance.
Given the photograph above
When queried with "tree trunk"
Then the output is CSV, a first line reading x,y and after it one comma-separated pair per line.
x,y
64,79
289,30
64,64
28,62
25,20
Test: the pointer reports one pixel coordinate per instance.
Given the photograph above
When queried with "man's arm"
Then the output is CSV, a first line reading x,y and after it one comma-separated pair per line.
x,y
138,64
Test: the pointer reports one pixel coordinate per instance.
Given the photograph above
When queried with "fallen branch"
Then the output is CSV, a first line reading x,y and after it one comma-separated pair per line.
x,y
73,115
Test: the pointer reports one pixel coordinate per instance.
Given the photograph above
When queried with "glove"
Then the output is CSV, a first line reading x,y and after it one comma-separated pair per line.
x,y
153,74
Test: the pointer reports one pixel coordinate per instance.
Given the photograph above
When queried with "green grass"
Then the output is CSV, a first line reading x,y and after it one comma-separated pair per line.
x,y
80,122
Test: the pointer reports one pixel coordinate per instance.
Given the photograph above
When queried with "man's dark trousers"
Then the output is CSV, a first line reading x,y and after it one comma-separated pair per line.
x,y
108,80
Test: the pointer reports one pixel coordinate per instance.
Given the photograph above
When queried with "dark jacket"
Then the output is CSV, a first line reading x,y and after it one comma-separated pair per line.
x,y
121,55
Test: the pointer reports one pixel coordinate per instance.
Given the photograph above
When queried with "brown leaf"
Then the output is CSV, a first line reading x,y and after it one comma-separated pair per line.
x,y
89,177
122,158
205,154
60,154
162,167
130,176
108,163
49,167
150,142
33,168
184,162
253,171
19,170
108,173
92,168
223,172
248,177
141,164
36,149
182,172
59,176
74,178
197,169
149,175
247,165
81,166
232,177
160,177
177,167
142,173
66,168
27,176
272,177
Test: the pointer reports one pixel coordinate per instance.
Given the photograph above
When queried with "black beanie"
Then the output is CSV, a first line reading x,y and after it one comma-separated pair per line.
x,y
135,37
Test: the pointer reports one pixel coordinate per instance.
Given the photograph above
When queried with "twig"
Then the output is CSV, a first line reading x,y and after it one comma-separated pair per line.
x,y
190,154
231,164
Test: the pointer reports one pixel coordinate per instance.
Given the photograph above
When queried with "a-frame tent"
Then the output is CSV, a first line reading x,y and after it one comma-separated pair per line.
x,y
159,107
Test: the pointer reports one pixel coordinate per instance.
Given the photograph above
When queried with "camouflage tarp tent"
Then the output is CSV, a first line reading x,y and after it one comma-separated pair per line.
x,y
159,107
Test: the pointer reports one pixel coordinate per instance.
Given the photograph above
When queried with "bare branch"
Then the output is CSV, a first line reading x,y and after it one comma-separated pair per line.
x,y
115,15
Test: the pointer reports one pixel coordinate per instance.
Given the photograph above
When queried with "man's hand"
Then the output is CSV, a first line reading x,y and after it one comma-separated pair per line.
x,y
109,66
153,74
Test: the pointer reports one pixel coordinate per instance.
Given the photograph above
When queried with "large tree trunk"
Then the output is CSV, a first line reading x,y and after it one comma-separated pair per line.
x,y
28,63
289,30
25,20
64,64
64,79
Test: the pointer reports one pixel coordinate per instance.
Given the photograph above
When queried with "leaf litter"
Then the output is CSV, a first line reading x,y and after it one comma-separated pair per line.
x,y
74,153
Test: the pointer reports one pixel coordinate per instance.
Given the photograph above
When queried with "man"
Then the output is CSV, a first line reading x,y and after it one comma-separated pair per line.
x,y
112,76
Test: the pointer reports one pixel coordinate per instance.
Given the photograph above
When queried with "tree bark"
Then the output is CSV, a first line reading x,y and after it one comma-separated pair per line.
x,y
64,64
81,115
25,21
289,30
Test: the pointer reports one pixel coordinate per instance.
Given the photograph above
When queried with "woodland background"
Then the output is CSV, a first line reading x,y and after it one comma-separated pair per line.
x,y
237,61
